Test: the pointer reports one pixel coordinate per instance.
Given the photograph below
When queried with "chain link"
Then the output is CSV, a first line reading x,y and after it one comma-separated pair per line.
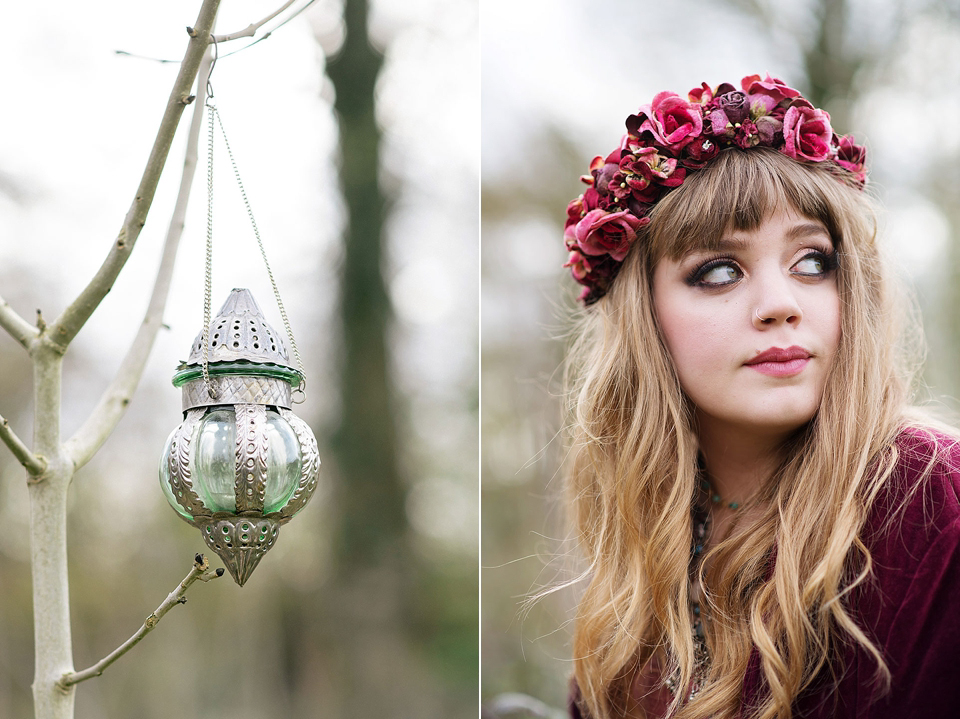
x,y
208,268
211,114
263,252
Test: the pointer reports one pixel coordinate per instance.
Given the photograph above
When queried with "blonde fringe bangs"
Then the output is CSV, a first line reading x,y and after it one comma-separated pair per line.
x,y
633,467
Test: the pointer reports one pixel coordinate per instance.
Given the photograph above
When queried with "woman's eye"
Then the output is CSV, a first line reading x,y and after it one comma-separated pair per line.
x,y
714,274
815,264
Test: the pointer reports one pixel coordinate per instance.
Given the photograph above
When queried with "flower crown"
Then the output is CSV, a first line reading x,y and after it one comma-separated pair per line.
x,y
672,137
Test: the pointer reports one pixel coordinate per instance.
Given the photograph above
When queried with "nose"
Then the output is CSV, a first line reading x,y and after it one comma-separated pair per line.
x,y
776,304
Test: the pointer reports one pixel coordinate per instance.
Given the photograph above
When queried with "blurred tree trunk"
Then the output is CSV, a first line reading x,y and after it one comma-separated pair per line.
x,y
371,496
363,621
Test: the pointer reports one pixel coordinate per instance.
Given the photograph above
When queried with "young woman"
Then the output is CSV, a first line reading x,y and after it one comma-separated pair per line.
x,y
770,529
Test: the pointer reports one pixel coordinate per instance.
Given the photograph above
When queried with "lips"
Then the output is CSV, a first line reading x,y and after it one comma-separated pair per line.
x,y
778,362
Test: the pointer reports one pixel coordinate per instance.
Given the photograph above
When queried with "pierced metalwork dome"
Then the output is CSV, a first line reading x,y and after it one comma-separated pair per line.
x,y
240,332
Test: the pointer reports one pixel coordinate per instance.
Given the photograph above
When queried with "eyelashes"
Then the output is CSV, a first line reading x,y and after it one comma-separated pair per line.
x,y
723,270
714,266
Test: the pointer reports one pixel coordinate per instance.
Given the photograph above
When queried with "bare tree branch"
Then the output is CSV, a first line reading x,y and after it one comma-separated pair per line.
x,y
66,327
251,29
35,465
199,571
18,328
113,404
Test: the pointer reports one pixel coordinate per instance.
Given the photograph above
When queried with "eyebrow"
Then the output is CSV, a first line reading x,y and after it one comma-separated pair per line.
x,y
806,229
796,232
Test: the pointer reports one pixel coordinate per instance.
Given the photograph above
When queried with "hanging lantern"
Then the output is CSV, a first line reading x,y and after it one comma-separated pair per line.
x,y
242,463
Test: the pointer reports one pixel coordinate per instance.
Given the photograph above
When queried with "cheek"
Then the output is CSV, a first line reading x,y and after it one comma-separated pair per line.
x,y
826,310
695,339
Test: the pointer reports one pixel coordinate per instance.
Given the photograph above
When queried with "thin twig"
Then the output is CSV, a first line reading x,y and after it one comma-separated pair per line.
x,y
35,465
18,328
199,571
65,328
252,28
113,404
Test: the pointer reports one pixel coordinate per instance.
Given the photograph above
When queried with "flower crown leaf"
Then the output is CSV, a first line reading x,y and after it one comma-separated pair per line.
x,y
671,137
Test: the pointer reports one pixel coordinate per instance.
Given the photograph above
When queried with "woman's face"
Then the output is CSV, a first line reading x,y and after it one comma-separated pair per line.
x,y
753,328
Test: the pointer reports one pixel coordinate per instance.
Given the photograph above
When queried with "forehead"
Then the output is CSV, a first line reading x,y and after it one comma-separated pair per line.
x,y
738,195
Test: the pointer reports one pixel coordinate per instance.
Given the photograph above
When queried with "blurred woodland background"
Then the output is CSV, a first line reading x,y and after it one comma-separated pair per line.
x,y
558,80
354,126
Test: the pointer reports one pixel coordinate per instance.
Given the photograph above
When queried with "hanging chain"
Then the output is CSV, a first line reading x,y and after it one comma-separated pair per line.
x,y
211,114
208,267
263,252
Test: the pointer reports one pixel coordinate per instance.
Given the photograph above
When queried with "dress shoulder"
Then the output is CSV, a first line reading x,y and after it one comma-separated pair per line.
x,y
908,604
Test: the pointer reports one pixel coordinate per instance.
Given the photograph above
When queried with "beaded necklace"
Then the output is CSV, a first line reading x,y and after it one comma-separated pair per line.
x,y
700,516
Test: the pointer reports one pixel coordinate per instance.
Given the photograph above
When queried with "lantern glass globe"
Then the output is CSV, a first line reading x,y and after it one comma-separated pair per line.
x,y
213,465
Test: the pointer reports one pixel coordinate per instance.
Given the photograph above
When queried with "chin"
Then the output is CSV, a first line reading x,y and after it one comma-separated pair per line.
x,y
783,422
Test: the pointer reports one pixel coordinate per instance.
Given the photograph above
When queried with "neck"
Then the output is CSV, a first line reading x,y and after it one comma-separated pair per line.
x,y
737,460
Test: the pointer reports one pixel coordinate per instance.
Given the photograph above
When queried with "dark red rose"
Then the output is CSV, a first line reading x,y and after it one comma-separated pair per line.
x,y
598,279
767,129
734,105
851,156
604,171
699,152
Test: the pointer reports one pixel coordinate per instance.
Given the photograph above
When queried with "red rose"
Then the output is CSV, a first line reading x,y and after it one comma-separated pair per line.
x,y
673,121
806,132
607,233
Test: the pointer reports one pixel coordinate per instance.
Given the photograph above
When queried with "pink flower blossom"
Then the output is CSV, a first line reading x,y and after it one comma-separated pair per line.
x,y
774,87
761,105
579,266
806,132
607,233
701,95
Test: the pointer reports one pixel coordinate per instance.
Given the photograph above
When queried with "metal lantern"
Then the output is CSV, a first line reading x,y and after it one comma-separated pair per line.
x,y
242,463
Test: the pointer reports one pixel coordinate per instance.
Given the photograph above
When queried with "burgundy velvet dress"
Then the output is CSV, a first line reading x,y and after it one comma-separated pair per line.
x,y
910,606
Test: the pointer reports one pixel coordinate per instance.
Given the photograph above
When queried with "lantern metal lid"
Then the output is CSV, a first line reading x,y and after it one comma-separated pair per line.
x,y
242,463
246,358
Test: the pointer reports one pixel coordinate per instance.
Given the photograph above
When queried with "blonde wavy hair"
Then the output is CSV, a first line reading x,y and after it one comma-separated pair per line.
x,y
634,467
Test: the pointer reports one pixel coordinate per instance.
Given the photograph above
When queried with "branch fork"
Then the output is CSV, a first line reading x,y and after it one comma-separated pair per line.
x,y
35,464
